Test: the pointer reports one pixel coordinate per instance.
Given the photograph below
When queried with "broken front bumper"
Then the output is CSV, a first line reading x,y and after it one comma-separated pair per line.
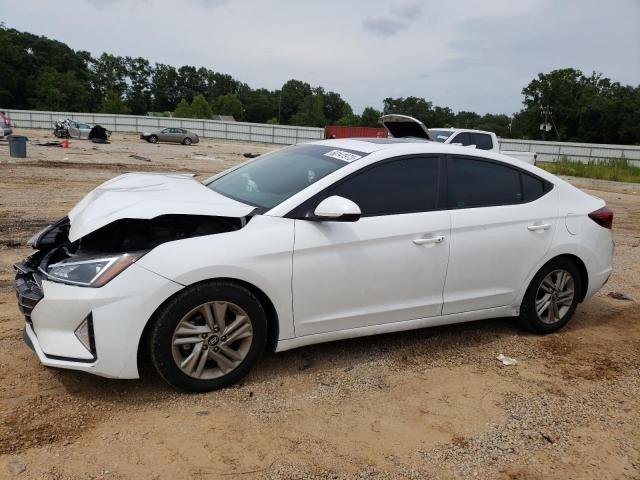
x,y
116,315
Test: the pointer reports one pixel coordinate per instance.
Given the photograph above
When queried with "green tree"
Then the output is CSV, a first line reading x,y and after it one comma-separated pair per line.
x,y
465,119
200,108
139,85
311,111
261,105
370,117
413,106
229,104
113,103
164,88
191,82
183,110
109,72
292,94
58,91
499,124
334,107
350,120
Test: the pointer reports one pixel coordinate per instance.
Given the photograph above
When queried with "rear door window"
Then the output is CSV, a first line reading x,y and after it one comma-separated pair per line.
x,y
476,183
532,187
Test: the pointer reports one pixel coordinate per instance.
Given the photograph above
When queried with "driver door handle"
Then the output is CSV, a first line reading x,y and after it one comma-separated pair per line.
x,y
428,241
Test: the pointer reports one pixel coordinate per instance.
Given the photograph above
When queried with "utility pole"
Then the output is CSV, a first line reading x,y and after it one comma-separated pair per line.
x,y
545,127
279,105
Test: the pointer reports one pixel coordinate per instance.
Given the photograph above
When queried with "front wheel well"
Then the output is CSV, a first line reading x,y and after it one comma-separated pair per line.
x,y
273,328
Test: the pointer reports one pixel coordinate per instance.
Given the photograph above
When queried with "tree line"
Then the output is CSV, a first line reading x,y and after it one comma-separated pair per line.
x,y
43,74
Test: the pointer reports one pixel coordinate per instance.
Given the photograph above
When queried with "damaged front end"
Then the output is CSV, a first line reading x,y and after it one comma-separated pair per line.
x,y
95,259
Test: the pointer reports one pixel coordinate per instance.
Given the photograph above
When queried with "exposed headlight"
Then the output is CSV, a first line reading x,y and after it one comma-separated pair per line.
x,y
93,272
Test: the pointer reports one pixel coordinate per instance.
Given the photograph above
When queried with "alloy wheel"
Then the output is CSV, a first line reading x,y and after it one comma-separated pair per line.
x,y
212,340
555,296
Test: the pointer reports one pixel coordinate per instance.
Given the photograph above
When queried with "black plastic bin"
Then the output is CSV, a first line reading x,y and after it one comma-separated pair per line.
x,y
17,146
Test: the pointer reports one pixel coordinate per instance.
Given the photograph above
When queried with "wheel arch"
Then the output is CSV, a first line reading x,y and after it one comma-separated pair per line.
x,y
577,261
273,326
584,275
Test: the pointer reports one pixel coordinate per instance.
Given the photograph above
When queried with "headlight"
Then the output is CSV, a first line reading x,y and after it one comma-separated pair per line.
x,y
93,272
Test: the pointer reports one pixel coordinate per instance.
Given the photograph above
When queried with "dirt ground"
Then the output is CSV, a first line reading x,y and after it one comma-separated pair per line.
x,y
431,404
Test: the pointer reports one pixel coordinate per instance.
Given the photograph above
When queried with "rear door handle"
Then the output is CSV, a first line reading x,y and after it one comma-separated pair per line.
x,y
428,241
544,226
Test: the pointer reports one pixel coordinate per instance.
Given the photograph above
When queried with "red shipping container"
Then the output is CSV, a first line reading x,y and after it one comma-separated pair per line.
x,y
338,131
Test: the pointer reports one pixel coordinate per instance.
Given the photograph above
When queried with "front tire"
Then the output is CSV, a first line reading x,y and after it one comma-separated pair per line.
x,y
552,297
153,139
208,336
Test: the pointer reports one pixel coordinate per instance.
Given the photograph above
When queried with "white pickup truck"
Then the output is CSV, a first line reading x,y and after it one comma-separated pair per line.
x,y
405,126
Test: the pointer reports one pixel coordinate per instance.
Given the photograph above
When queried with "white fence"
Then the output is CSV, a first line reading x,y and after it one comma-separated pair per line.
x,y
581,152
242,131
281,134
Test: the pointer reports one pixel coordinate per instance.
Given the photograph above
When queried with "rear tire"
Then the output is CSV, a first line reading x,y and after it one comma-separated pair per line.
x,y
552,297
208,336
187,141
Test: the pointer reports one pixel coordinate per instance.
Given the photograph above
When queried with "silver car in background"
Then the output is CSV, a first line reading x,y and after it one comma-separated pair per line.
x,y
71,129
171,134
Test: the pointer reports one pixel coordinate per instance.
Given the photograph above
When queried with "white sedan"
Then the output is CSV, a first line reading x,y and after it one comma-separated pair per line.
x,y
312,243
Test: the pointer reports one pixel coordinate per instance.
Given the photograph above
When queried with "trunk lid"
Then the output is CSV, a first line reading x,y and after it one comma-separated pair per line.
x,y
146,196
402,126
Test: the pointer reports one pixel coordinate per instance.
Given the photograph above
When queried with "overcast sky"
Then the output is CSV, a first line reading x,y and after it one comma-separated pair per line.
x,y
465,54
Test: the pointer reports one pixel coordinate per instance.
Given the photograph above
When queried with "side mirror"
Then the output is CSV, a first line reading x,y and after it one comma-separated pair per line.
x,y
337,209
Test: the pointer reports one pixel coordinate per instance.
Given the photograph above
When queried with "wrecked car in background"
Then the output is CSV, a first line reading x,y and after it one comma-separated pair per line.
x,y
5,125
172,135
71,129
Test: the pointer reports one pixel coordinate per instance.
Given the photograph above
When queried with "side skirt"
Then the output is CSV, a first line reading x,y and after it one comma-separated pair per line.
x,y
496,312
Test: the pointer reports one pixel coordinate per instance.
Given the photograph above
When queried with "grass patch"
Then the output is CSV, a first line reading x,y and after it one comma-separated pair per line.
x,y
614,169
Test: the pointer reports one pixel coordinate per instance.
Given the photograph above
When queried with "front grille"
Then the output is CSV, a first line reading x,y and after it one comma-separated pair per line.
x,y
28,285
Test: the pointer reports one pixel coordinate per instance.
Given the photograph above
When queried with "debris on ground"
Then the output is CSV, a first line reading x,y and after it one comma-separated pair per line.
x,y
506,360
140,157
250,155
98,134
50,144
16,468
619,296
202,156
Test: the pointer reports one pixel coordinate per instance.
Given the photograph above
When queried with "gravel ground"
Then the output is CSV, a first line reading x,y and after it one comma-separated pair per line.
x,y
432,404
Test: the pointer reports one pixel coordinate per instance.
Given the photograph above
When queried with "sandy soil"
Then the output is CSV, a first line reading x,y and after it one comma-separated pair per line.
x,y
432,403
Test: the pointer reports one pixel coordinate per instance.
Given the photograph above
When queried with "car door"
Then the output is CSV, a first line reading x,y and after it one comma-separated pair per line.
x,y
165,135
388,266
175,135
74,130
503,220
84,130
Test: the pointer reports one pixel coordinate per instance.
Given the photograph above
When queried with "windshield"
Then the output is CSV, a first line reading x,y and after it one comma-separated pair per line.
x,y
440,135
271,179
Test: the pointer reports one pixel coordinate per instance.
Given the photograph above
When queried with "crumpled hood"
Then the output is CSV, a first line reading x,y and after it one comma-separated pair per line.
x,y
146,196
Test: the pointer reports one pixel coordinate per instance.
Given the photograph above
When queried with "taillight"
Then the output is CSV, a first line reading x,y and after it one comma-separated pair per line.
x,y
603,217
